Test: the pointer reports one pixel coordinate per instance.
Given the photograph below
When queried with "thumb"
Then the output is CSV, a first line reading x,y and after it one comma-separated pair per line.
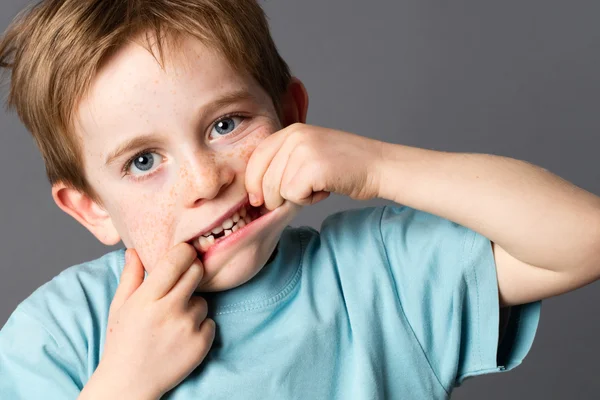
x,y
131,278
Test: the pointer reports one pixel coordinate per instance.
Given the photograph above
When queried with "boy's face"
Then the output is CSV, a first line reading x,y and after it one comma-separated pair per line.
x,y
200,121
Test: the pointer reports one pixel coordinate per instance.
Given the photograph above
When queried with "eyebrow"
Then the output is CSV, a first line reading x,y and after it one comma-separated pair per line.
x,y
152,139
131,145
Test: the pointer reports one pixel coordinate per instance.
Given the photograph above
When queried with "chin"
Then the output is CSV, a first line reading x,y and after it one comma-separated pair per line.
x,y
237,264
237,270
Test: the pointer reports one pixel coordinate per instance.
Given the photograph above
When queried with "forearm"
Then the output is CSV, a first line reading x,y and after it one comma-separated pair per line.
x,y
533,214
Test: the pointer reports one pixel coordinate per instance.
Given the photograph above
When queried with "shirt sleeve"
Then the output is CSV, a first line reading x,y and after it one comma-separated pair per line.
x,y
445,278
32,364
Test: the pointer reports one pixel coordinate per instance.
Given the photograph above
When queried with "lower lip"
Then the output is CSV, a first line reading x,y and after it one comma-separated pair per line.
x,y
239,235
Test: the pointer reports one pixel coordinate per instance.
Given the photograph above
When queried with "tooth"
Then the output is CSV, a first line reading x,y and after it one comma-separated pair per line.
x,y
241,224
248,219
211,239
228,223
243,212
218,229
227,232
236,217
203,243
235,228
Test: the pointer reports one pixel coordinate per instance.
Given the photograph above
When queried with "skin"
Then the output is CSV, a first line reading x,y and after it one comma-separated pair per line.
x,y
198,171
199,178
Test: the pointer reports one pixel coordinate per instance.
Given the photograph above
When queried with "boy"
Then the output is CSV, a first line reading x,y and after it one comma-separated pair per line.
x,y
158,122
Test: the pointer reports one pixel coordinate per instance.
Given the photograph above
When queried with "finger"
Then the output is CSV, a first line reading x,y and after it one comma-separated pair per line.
x,y
207,334
271,183
131,278
319,196
187,284
198,307
204,340
259,162
301,184
168,270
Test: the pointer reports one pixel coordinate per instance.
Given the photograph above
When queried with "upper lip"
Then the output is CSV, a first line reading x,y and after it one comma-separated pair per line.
x,y
222,219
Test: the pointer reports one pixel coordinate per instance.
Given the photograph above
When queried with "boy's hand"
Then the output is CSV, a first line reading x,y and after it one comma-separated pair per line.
x,y
304,163
157,334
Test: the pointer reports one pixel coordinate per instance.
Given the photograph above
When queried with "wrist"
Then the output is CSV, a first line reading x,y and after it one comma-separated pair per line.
x,y
406,173
106,382
392,177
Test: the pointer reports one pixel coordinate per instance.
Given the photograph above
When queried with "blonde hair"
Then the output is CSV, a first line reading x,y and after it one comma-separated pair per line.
x,y
55,48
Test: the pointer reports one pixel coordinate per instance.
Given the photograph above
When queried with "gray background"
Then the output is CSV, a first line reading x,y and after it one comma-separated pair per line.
x,y
514,78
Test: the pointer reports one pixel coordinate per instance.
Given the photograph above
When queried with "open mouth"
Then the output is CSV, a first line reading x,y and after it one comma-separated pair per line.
x,y
244,216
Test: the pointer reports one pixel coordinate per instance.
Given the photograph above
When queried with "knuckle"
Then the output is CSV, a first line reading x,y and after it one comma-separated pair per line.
x,y
209,328
296,127
199,303
202,302
304,149
202,314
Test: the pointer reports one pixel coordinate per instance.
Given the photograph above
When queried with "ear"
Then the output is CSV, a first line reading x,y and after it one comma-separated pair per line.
x,y
294,103
86,212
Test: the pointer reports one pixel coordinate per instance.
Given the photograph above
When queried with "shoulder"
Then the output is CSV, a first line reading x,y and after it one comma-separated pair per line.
x,y
346,241
376,217
340,224
52,341
77,298
377,223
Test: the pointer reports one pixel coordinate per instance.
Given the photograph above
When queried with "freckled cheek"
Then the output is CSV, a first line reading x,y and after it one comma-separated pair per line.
x,y
245,155
240,156
148,226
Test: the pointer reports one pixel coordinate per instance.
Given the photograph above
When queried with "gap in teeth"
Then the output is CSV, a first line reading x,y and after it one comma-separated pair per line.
x,y
237,221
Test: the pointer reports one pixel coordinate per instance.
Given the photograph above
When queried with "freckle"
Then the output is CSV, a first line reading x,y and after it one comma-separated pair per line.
x,y
245,154
110,330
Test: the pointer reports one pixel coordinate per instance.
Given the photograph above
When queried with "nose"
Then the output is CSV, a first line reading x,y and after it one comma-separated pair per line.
x,y
204,177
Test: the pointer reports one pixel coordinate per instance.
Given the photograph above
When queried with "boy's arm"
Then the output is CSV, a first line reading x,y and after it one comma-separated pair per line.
x,y
102,386
545,231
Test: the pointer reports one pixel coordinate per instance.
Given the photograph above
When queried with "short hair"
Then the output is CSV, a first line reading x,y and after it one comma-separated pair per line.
x,y
55,48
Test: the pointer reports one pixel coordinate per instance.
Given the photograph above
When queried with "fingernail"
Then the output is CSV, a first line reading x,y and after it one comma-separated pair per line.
x,y
253,199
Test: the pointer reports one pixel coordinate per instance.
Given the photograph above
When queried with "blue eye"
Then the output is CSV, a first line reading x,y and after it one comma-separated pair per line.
x,y
227,125
143,162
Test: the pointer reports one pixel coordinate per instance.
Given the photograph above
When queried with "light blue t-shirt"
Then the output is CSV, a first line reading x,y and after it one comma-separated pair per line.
x,y
383,303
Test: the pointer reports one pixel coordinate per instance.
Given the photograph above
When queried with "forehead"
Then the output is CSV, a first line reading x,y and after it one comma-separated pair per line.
x,y
133,94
